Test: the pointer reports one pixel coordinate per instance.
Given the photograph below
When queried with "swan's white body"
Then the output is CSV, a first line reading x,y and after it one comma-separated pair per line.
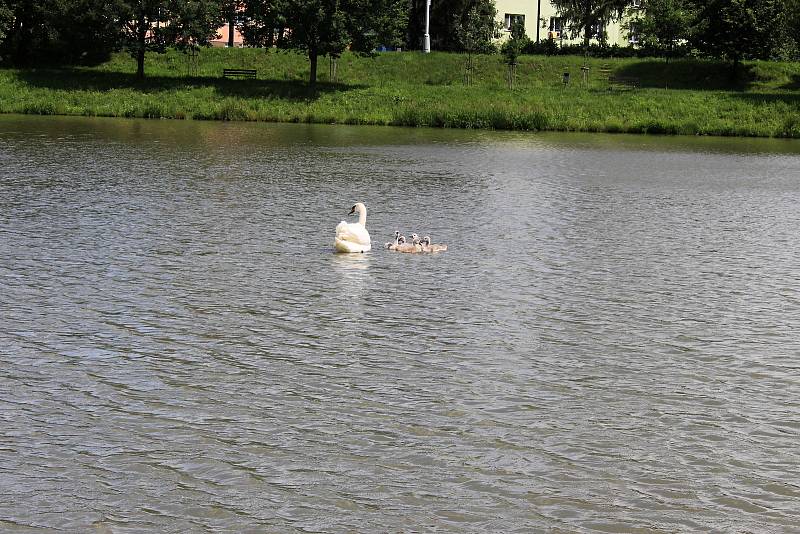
x,y
353,237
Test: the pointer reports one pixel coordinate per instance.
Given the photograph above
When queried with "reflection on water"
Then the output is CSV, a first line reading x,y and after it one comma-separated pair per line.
x,y
351,264
609,344
353,276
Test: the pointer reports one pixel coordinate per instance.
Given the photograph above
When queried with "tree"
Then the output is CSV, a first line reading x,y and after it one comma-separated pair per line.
x,y
56,31
512,49
446,17
6,20
232,9
152,25
263,22
475,31
328,27
662,24
734,30
317,27
589,16
385,24
793,22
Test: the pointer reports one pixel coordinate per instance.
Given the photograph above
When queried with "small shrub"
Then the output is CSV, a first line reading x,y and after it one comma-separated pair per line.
x,y
791,127
41,108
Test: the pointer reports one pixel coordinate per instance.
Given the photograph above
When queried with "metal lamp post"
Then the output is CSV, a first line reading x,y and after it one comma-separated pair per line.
x,y
426,43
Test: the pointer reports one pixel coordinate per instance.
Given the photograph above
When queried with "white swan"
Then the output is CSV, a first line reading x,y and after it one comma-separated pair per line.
x,y
353,237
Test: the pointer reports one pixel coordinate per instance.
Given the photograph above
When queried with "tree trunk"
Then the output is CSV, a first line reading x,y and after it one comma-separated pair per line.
x,y
735,71
140,63
141,33
231,21
334,66
312,56
587,28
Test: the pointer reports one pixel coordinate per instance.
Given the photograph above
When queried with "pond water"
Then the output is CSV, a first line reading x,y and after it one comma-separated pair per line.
x,y
611,342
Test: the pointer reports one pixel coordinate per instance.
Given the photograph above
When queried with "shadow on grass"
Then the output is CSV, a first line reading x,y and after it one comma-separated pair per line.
x,y
89,80
692,74
794,83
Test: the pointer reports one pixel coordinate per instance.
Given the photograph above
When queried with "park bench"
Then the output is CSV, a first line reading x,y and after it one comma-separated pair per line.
x,y
627,81
238,73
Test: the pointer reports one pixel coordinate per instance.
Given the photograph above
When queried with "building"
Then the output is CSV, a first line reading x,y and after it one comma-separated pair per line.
x,y
549,24
224,33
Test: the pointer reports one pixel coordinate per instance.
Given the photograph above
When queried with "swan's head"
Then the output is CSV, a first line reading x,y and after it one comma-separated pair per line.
x,y
396,234
401,240
414,237
358,207
426,241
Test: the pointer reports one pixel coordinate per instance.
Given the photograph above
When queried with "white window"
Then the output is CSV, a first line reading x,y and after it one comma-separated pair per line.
x,y
512,19
633,33
636,3
555,27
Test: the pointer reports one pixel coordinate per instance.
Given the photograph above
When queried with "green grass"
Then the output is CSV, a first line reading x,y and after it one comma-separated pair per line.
x,y
691,97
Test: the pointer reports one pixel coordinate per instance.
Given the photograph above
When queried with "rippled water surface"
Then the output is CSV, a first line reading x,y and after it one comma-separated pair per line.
x,y
612,342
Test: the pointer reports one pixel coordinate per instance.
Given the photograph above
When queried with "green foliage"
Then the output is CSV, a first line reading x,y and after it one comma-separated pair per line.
x,y
425,90
328,27
512,49
448,20
793,23
476,28
6,20
192,22
741,29
661,25
262,23
589,16
385,26
152,25
514,45
56,31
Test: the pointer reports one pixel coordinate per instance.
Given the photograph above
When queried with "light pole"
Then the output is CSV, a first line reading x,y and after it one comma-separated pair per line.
x,y
426,42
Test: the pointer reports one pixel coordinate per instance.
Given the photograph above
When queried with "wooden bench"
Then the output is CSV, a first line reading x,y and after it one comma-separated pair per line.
x,y
239,73
627,81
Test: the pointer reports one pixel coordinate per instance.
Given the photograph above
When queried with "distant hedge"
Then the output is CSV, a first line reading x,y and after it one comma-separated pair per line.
x,y
550,47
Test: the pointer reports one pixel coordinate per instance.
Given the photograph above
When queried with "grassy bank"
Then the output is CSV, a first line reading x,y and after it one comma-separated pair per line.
x,y
412,89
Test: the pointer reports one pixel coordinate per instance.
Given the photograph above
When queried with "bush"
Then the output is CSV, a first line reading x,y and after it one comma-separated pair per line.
x,y
550,47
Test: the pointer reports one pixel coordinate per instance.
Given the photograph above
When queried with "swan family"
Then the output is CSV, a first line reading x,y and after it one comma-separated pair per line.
x,y
353,237
416,244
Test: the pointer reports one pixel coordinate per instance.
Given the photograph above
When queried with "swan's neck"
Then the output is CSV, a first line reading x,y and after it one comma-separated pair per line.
x,y
362,215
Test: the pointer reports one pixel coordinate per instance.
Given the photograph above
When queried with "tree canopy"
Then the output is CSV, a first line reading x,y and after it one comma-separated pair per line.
x,y
152,25
447,18
34,32
589,17
661,25
56,31
743,29
328,27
